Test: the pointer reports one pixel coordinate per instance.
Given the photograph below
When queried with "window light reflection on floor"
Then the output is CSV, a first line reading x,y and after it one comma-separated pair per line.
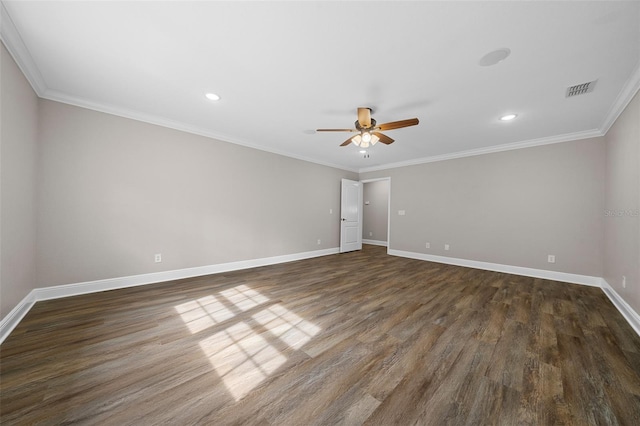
x,y
244,361
210,310
286,325
203,313
245,352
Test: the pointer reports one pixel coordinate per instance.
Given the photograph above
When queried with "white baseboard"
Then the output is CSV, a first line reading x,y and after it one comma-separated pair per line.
x,y
375,243
508,269
13,318
623,307
55,292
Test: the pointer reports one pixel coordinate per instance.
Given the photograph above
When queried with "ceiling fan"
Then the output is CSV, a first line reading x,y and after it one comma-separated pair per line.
x,y
368,129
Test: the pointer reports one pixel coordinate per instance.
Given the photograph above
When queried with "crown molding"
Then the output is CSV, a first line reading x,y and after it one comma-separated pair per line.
x,y
490,150
19,52
56,96
625,96
21,55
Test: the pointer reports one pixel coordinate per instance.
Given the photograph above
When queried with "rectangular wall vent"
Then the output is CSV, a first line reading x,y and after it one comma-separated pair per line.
x,y
580,89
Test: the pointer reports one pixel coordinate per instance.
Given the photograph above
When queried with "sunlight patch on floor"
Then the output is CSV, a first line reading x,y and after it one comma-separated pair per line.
x,y
203,313
246,352
286,325
243,297
245,360
210,310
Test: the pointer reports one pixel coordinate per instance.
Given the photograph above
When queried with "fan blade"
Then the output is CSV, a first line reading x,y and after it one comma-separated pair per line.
x,y
397,124
364,117
336,130
345,143
383,138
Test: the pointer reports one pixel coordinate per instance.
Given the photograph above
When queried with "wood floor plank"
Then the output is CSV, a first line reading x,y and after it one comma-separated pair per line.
x,y
443,407
356,338
582,386
508,360
402,362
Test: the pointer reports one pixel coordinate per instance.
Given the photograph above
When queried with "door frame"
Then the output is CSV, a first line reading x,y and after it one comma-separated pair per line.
x,y
388,178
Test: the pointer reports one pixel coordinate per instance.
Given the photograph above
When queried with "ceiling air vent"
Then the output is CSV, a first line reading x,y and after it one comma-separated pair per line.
x,y
580,89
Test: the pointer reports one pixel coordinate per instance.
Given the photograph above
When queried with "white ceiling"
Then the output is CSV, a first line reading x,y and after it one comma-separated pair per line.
x,y
286,68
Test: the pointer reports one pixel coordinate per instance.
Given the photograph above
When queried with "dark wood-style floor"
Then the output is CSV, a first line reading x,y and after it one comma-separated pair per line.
x,y
356,338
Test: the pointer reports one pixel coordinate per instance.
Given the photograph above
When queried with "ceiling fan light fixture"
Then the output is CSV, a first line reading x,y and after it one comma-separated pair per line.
x,y
368,131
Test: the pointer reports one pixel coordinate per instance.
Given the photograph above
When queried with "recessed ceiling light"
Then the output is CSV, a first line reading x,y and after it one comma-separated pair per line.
x,y
363,151
508,117
494,57
212,97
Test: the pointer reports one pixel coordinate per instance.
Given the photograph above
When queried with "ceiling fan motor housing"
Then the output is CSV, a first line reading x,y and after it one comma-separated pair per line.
x,y
359,127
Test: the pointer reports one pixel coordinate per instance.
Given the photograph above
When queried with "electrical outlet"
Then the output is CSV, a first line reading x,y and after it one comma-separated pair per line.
x,y
427,245
551,258
401,212
624,282
158,258
446,246
370,234
319,242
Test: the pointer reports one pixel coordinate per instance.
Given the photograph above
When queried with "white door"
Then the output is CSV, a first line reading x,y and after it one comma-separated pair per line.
x,y
351,216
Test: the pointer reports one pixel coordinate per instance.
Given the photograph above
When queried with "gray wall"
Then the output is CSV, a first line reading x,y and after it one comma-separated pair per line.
x,y
106,193
113,192
18,165
622,205
512,208
375,217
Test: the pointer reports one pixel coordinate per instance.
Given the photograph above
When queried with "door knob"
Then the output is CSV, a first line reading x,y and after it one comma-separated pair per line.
x,y
343,219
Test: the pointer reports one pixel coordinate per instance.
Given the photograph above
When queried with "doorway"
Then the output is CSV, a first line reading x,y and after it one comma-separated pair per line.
x,y
376,205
